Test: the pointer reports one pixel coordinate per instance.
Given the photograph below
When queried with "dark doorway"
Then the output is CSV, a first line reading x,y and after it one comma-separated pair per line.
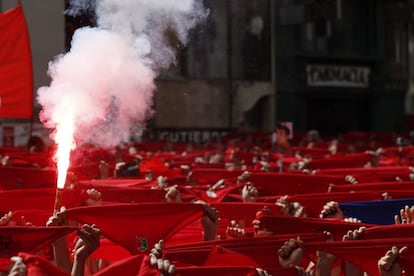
x,y
332,116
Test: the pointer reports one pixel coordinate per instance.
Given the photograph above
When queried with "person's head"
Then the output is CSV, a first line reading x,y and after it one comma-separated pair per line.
x,y
36,144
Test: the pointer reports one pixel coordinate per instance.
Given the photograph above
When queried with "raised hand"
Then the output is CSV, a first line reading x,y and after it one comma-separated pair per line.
x,y
354,234
388,264
234,231
331,210
94,197
58,218
249,193
290,254
209,221
165,267
406,214
172,194
7,219
18,268
89,240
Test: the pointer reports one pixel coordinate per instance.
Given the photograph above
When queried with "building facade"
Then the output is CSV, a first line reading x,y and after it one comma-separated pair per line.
x,y
330,65
347,66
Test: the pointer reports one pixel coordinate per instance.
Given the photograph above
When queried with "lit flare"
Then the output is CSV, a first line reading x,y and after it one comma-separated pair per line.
x,y
64,138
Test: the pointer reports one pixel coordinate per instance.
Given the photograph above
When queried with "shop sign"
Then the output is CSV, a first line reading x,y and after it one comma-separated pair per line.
x,y
337,76
190,135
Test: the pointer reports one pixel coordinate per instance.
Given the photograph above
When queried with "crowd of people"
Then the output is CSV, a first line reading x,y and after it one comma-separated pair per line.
x,y
243,204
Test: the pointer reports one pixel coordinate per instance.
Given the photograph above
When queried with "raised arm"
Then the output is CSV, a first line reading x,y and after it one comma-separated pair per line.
x,y
89,241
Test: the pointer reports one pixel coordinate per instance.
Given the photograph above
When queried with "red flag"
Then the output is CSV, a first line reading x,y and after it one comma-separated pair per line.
x,y
16,77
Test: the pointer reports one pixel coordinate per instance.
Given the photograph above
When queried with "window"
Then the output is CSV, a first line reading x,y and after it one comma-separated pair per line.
x,y
234,43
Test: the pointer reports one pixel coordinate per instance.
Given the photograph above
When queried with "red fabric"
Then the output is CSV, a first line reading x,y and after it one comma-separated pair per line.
x,y
211,176
5,265
146,269
209,165
375,186
396,151
312,152
243,210
406,260
115,183
200,193
87,171
260,250
20,177
35,217
190,233
389,231
198,256
365,253
292,183
157,166
243,213
354,160
16,77
136,225
38,266
29,159
271,183
92,153
219,271
15,239
132,195
376,174
127,267
288,224
235,244
220,256
40,199
110,252
313,203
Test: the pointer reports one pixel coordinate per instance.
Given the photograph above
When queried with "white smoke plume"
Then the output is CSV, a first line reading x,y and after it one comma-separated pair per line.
x,y
106,81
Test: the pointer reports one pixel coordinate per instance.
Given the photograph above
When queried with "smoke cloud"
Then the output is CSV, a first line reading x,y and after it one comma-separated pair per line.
x,y
106,81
